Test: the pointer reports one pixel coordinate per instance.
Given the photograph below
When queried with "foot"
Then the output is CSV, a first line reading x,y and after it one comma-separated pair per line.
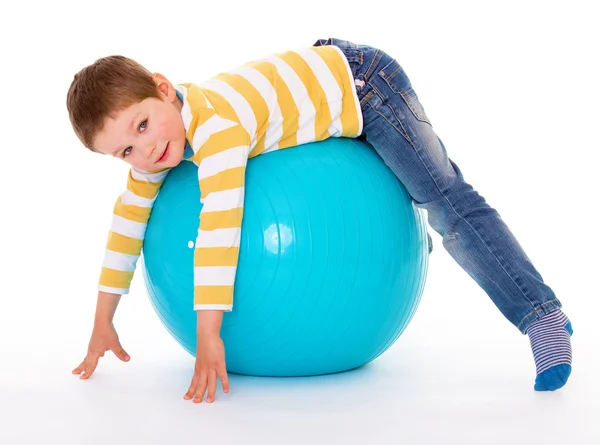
x,y
550,339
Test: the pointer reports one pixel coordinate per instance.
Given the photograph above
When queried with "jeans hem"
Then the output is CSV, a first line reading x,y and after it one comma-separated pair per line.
x,y
537,313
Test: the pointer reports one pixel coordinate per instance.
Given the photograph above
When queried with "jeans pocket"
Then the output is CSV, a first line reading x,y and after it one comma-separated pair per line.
x,y
395,77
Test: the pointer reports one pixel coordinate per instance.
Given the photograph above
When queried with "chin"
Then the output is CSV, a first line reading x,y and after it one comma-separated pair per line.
x,y
176,160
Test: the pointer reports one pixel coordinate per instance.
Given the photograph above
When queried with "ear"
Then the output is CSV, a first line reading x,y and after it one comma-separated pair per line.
x,y
164,86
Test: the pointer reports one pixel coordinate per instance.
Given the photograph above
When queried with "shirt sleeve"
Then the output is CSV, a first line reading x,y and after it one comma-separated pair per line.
x,y
125,238
224,149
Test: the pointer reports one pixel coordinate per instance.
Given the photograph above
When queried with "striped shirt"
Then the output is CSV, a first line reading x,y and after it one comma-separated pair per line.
x,y
281,101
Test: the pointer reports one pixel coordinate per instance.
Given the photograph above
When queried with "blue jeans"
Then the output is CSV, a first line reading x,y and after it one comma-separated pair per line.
x,y
473,233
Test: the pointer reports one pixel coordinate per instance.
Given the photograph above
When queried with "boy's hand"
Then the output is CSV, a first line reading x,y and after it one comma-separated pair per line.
x,y
104,338
210,364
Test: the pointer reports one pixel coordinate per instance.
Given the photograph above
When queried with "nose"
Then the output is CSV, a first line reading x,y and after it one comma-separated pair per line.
x,y
148,149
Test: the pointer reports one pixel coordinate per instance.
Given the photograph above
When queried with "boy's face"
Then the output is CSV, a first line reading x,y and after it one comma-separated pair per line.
x,y
148,135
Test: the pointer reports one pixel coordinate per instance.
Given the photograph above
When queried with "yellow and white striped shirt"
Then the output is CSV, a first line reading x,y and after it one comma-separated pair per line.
x,y
281,101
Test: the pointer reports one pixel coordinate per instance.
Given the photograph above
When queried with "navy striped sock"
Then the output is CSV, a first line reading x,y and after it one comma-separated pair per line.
x,y
550,339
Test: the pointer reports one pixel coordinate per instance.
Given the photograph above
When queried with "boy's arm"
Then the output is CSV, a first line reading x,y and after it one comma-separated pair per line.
x,y
131,214
221,175
223,150
106,305
130,217
209,322
222,147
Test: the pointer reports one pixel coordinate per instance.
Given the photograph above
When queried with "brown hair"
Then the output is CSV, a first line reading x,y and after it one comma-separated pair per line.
x,y
101,89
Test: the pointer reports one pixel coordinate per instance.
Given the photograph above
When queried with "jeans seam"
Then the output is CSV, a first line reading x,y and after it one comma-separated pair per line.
x,y
509,275
374,61
555,304
392,74
374,91
391,123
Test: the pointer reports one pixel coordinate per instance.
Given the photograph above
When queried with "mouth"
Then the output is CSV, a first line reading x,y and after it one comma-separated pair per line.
x,y
165,154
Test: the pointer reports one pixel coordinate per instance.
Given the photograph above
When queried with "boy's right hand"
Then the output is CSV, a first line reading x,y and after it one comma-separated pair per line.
x,y
104,338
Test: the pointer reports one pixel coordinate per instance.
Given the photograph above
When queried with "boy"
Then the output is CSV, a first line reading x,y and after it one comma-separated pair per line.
x,y
333,89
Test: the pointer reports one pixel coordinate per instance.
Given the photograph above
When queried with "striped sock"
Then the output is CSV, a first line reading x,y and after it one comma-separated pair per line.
x,y
550,339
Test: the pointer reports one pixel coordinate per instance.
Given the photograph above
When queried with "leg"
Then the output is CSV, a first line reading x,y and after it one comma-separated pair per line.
x,y
396,125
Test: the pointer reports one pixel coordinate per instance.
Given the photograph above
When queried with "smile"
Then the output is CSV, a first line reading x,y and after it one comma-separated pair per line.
x,y
164,155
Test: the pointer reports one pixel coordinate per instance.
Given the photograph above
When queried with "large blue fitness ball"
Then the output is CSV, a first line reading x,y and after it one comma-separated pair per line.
x,y
333,259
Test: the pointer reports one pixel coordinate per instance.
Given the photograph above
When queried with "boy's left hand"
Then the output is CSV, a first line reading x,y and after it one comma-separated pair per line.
x,y
210,364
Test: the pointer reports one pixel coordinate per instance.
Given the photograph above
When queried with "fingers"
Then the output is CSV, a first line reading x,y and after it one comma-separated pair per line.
x,y
80,368
201,389
90,368
120,353
206,382
224,380
89,364
192,389
200,382
87,367
212,386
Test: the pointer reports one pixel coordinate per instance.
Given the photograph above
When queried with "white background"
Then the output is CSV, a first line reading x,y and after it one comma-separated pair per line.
x,y
511,89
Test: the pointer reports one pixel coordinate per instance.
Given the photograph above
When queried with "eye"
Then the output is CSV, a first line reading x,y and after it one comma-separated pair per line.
x,y
142,127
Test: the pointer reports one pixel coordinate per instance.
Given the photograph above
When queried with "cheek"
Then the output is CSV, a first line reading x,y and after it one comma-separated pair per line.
x,y
155,131
176,128
171,131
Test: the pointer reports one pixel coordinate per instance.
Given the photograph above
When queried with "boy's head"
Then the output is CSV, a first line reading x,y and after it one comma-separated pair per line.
x,y
117,107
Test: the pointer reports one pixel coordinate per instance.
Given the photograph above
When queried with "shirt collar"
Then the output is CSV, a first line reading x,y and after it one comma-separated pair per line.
x,y
186,116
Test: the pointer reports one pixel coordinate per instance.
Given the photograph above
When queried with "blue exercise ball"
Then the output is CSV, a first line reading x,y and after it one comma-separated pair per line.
x,y
332,265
